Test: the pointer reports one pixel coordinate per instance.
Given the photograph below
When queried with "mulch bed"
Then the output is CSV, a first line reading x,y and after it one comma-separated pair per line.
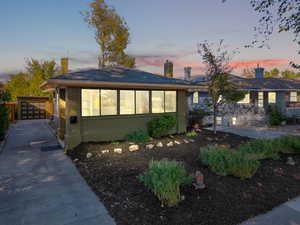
x,y
225,201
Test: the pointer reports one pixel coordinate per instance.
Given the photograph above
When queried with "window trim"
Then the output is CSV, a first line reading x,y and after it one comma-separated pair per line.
x,y
291,97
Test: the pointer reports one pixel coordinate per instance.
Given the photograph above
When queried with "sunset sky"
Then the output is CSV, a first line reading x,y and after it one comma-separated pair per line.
x,y
160,30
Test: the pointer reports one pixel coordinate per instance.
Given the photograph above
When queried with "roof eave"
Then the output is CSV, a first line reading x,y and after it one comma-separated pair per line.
x,y
53,83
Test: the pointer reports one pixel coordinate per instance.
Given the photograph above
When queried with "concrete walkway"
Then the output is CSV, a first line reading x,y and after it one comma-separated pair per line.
x,y
41,186
256,132
286,214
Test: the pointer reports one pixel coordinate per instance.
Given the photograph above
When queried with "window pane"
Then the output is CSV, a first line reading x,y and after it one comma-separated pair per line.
x,y
272,97
219,120
108,102
142,102
196,97
157,101
260,99
246,99
90,102
170,101
126,102
293,96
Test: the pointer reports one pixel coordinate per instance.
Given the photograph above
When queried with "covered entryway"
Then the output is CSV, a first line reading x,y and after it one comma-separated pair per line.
x,y
32,107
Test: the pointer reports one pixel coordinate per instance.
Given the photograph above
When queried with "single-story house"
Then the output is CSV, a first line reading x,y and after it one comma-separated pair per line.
x,y
261,93
106,104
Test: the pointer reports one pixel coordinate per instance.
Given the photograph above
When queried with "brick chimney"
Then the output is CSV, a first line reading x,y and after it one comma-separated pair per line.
x,y
259,72
187,73
168,69
64,65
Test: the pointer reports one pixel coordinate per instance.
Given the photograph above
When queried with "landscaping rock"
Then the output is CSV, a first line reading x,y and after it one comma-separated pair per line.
x,y
209,139
177,142
191,140
118,150
170,144
150,146
159,145
76,160
290,161
133,148
199,180
89,155
225,146
186,141
105,151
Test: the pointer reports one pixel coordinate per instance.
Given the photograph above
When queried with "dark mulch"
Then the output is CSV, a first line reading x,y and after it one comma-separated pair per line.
x,y
225,201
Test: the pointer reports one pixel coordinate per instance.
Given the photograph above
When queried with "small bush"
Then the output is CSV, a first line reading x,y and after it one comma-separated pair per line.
x,y
191,134
260,149
160,126
226,162
138,137
164,179
275,116
4,121
288,144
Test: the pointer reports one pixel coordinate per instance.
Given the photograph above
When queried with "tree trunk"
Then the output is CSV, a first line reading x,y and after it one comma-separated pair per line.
x,y
215,119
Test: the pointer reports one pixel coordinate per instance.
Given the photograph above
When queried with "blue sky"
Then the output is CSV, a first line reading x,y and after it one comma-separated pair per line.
x,y
160,29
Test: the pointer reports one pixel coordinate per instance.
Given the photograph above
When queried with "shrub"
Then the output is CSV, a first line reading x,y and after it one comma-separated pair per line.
x,y
164,179
160,126
191,134
226,162
138,137
275,116
288,144
4,121
260,149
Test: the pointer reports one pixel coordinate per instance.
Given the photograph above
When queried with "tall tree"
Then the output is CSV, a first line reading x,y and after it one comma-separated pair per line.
x,y
220,88
111,34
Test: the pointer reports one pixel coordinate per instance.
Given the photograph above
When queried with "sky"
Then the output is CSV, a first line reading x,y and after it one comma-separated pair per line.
x,y
160,30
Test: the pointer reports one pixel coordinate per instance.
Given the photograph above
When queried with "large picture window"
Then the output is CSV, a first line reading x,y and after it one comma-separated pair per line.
x,y
90,102
158,99
127,102
109,101
170,101
142,102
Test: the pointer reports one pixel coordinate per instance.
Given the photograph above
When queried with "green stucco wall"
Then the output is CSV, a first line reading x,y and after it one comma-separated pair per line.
x,y
110,128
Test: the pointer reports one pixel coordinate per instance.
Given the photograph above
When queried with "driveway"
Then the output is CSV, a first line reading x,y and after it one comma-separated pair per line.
x,y
261,132
39,184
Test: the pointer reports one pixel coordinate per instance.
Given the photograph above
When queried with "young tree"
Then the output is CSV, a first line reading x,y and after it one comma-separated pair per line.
x,y
111,34
220,88
28,84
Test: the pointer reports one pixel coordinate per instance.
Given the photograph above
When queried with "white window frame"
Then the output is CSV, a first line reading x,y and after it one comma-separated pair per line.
x,y
293,96
260,99
196,97
269,96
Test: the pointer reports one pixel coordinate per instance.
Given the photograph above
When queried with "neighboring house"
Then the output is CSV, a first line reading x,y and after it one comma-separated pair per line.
x,y
105,105
260,94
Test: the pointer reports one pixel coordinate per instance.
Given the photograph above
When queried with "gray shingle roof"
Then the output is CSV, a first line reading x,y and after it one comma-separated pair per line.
x,y
264,83
119,75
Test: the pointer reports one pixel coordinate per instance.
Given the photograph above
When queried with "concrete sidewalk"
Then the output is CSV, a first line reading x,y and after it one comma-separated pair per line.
x,y
255,132
41,186
286,214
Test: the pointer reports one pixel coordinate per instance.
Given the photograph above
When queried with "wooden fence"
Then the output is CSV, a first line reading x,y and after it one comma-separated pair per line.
x,y
12,110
